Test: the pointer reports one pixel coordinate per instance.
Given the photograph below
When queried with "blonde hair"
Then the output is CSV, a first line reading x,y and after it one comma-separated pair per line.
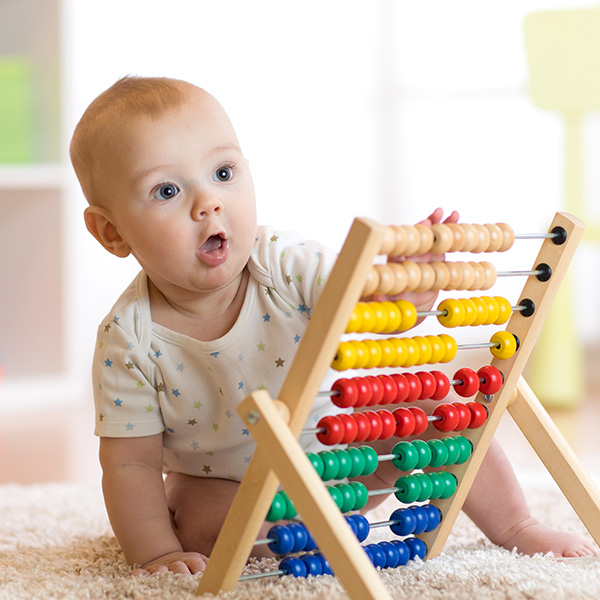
x,y
131,95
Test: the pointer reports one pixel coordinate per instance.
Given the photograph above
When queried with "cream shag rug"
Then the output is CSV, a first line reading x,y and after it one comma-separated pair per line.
x,y
55,542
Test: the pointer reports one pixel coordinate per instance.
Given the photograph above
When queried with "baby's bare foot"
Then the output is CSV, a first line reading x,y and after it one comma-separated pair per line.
x,y
531,537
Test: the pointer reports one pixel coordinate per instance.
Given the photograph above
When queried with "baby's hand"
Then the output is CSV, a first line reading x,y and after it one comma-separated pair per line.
x,y
187,563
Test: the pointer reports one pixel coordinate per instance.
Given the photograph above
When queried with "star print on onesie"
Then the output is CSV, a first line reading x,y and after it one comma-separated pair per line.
x,y
150,380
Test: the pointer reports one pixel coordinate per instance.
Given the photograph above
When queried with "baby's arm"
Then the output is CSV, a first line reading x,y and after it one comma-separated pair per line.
x,y
135,499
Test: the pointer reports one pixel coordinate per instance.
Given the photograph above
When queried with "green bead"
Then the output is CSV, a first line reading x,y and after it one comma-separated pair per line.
x,y
277,510
453,450
357,459
426,487
438,484
407,456
331,463
290,509
424,452
361,493
409,489
317,463
336,495
371,460
450,485
466,449
348,497
345,463
439,453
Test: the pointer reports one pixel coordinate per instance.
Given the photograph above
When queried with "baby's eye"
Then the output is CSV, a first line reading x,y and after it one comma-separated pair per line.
x,y
223,174
166,192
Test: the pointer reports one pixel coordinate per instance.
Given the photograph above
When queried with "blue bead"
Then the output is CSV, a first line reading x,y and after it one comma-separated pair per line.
x,y
403,551
313,565
406,521
293,566
421,519
326,566
351,522
310,542
378,554
392,556
417,547
298,531
284,540
434,516
368,552
362,527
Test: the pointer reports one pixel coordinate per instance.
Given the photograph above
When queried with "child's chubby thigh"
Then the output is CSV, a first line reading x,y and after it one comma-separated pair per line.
x,y
199,506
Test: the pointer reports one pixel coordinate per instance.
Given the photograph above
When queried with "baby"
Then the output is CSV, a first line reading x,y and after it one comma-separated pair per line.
x,y
216,312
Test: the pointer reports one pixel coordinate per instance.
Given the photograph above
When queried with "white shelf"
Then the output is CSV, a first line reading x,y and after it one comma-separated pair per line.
x,y
34,177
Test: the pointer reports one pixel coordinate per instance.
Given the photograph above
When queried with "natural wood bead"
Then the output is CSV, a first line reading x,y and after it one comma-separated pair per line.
x,y
387,279
413,240
479,276
427,277
459,237
426,236
442,274
401,278
400,244
455,276
414,275
483,239
490,275
388,242
471,237
443,238
467,275
496,237
509,237
372,282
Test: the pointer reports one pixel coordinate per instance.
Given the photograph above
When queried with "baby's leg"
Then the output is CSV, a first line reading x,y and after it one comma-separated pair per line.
x,y
199,507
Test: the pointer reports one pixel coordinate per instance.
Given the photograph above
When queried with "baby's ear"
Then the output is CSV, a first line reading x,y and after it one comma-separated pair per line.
x,y
100,224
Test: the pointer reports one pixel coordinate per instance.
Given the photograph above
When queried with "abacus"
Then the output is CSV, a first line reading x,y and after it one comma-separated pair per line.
x,y
276,425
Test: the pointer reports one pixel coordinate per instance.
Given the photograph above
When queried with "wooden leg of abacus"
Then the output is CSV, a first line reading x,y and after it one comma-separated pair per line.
x,y
558,457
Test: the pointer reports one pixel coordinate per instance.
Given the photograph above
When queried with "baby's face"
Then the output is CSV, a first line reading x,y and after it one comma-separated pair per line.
x,y
182,197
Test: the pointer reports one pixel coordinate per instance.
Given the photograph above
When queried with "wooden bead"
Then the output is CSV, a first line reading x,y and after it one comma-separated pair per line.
x,y
426,236
496,237
413,240
414,275
400,244
400,278
443,238
467,275
442,275
455,276
479,279
471,237
490,275
388,242
372,282
427,277
509,237
459,237
387,279
483,239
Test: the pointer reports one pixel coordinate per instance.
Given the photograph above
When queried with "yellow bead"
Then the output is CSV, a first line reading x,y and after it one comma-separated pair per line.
x,y
470,311
505,344
394,317
481,312
400,352
374,354
450,347
455,313
504,310
362,354
345,357
425,349
437,349
368,317
388,353
492,308
380,317
412,353
355,320
409,314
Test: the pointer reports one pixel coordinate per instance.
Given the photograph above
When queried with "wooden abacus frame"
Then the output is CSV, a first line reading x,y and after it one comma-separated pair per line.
x,y
276,426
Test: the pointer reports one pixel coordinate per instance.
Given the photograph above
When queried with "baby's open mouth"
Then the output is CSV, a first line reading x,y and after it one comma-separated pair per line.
x,y
214,242
214,251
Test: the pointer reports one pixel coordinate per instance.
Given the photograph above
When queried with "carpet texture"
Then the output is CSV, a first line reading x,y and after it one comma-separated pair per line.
x,y
55,542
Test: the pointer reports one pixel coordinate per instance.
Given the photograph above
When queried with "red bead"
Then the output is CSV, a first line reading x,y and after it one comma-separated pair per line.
x,y
464,415
414,387
450,417
389,424
490,380
350,428
363,425
428,385
390,390
376,390
334,430
469,385
376,425
365,391
405,422
347,393
421,421
442,385
401,387
479,414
